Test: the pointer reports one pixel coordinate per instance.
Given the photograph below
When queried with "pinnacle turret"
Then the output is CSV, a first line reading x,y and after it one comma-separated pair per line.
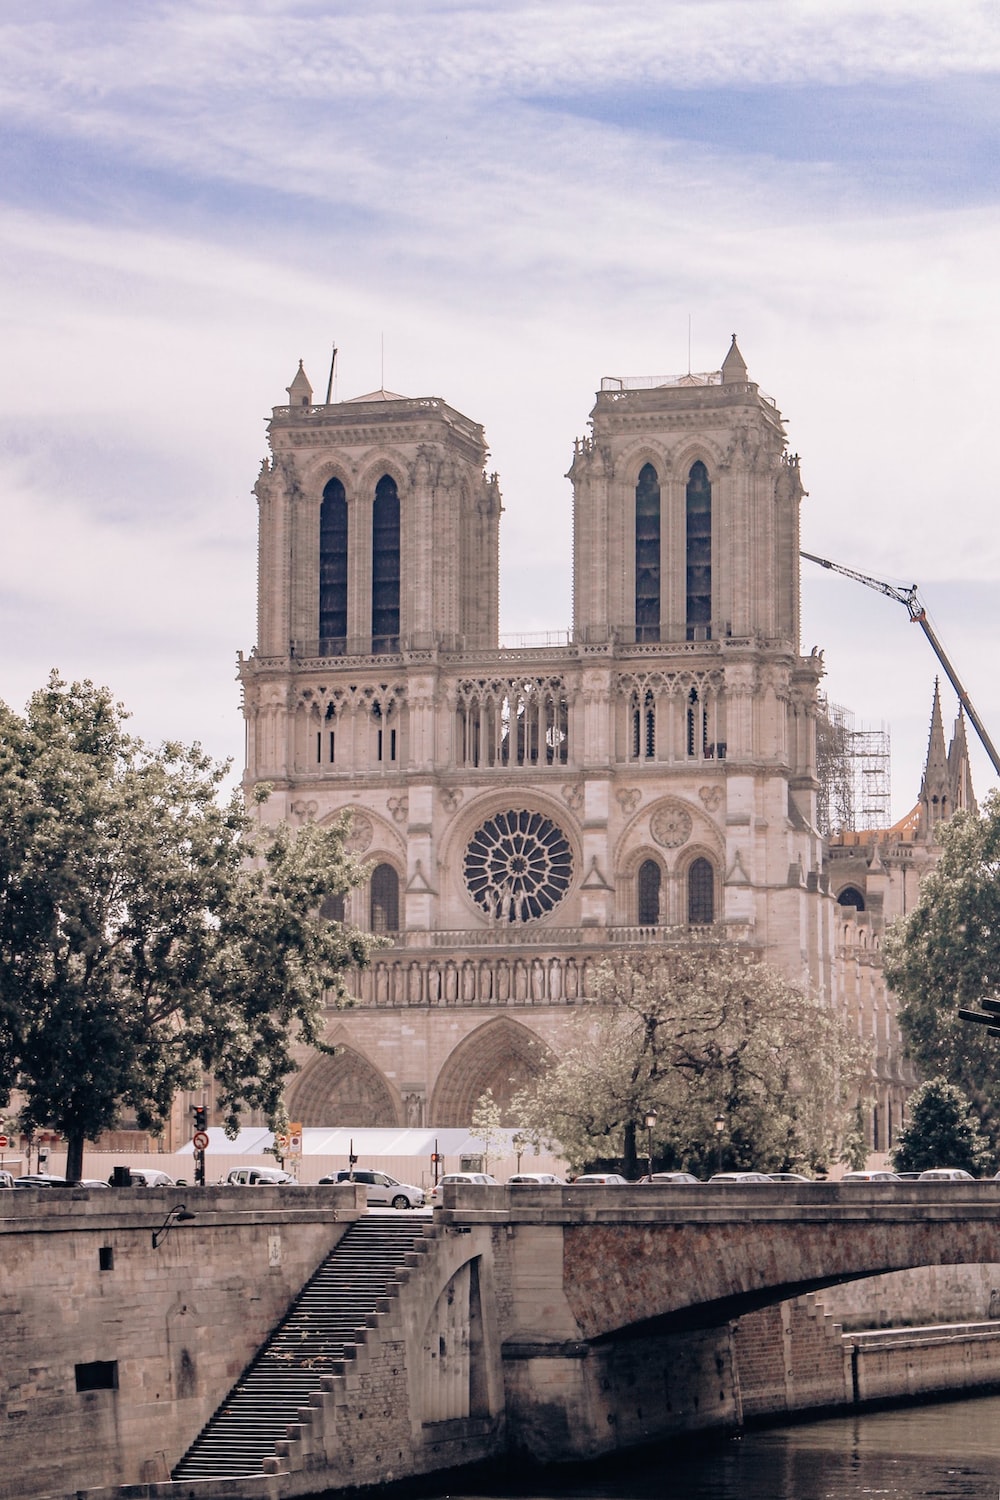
x,y
300,391
734,368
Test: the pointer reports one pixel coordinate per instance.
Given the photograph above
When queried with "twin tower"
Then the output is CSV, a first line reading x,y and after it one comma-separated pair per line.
x,y
525,812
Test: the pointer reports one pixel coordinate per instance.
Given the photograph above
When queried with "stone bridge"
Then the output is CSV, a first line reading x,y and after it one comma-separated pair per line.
x,y
556,1322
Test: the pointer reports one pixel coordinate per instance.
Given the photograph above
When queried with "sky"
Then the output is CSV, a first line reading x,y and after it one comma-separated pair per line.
x,y
497,204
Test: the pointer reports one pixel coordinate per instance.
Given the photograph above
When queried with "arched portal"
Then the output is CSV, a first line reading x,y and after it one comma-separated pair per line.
x,y
501,1055
345,1089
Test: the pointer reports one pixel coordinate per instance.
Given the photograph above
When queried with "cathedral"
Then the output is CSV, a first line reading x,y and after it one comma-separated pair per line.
x,y
526,812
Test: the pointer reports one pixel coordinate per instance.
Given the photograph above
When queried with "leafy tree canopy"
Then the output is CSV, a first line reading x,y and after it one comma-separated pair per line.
x,y
941,1132
150,933
946,954
696,1033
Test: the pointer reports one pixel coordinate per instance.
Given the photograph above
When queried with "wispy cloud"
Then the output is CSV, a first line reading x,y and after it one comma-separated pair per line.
x,y
520,198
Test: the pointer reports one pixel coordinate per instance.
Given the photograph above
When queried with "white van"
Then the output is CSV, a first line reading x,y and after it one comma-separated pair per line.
x,y
258,1177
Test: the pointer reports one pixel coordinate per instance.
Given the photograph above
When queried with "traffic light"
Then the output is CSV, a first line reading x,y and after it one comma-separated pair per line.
x,y
200,1117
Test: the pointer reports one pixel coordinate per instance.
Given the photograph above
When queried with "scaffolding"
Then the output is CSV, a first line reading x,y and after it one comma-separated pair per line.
x,y
852,766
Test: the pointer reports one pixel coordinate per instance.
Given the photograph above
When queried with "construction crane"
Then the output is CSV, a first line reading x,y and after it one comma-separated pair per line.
x,y
918,616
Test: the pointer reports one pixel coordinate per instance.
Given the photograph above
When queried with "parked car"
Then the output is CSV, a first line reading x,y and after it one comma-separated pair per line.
x,y
676,1178
908,1176
879,1176
600,1179
741,1178
258,1177
482,1179
383,1191
946,1174
789,1177
537,1179
6,1179
39,1179
146,1177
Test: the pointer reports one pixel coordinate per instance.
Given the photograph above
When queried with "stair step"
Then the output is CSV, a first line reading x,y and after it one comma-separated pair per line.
x,y
328,1316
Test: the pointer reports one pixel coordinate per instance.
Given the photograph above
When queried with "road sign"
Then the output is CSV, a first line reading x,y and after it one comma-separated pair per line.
x,y
295,1139
200,1140
4,1142
281,1141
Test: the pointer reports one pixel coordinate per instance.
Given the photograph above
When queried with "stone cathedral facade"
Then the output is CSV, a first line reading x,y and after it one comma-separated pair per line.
x,y
527,812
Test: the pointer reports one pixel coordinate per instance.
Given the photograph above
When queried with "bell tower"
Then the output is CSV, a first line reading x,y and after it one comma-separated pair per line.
x,y
686,513
378,528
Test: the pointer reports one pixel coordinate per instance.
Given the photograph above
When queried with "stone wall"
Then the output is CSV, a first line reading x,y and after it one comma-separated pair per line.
x,y
85,1297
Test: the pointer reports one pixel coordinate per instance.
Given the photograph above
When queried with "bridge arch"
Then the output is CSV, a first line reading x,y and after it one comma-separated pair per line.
x,y
501,1055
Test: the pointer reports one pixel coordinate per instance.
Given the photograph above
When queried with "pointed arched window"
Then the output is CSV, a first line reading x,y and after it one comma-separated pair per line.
x,y
385,567
701,893
699,554
647,555
384,899
649,893
333,570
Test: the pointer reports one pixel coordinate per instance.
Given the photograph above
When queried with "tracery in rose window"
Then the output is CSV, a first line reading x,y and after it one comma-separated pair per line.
x,y
518,865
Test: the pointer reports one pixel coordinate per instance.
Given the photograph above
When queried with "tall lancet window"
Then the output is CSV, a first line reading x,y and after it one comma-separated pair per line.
x,y
647,555
333,570
699,554
385,566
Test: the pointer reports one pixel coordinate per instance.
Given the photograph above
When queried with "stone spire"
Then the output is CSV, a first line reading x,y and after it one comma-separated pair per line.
x,y
300,391
734,369
963,798
935,788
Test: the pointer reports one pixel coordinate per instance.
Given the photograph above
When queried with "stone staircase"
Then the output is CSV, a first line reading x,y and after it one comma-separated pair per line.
x,y
319,1331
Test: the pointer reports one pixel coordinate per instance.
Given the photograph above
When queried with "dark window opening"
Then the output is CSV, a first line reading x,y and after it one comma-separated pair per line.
x,y
99,1375
699,554
697,727
649,894
385,567
647,555
332,908
701,893
333,570
384,899
851,896
106,1258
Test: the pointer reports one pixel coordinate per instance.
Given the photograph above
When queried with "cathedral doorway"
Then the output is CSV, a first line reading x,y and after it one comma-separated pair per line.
x,y
345,1089
502,1056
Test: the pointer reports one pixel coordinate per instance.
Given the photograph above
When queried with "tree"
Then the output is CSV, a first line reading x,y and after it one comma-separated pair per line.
x,y
149,932
486,1127
946,954
940,1132
694,1033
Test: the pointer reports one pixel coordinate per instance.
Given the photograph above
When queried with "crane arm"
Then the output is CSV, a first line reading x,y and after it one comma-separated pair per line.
x,y
918,616
908,597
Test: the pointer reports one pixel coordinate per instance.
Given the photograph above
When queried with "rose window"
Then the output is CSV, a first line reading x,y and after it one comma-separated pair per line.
x,y
518,866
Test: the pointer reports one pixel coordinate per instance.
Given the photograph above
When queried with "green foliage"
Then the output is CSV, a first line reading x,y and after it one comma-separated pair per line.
x,y
486,1126
946,954
149,933
941,1132
854,1148
693,1033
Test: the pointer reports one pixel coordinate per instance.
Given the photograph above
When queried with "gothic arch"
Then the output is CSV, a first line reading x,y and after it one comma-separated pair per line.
x,y
345,1089
385,463
700,874
631,464
501,1055
698,450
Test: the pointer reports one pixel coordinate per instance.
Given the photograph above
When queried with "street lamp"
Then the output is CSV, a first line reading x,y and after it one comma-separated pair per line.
x,y
720,1125
649,1123
177,1215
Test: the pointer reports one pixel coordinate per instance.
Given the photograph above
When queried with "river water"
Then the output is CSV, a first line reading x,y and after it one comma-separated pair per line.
x,y
945,1451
